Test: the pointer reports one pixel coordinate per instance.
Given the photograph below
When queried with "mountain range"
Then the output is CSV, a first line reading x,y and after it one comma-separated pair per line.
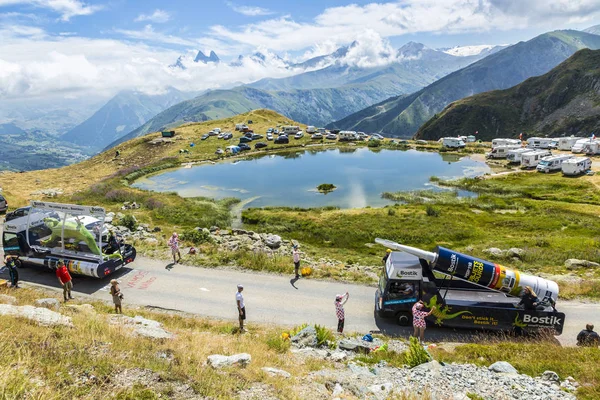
x,y
402,116
564,101
10,129
123,113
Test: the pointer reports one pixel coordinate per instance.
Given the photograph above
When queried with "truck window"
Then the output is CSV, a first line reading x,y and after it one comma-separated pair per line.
x,y
11,241
401,290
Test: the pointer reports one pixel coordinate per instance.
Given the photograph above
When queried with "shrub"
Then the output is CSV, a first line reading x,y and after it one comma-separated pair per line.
x,y
119,196
196,236
297,329
326,187
325,337
416,354
129,222
373,143
391,212
432,211
279,344
154,204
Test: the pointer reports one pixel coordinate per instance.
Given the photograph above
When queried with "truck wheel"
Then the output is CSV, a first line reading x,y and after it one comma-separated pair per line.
x,y
404,319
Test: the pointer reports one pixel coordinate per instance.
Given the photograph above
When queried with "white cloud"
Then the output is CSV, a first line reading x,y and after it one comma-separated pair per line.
x,y
150,35
158,16
249,10
66,8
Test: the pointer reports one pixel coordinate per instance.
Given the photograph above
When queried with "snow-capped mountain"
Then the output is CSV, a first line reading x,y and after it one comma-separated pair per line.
x,y
465,51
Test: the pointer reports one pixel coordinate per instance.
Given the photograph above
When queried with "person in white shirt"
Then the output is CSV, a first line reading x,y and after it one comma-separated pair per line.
x,y
239,298
296,254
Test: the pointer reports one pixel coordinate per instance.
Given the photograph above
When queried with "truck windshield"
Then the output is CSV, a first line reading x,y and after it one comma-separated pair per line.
x,y
544,163
401,290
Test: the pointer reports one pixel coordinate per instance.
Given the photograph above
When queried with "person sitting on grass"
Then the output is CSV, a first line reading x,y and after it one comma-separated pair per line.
x,y
588,337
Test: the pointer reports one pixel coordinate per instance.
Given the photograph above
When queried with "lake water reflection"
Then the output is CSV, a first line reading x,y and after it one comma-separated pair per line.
x,y
290,179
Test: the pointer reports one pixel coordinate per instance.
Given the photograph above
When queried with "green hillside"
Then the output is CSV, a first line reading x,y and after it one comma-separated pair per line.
x,y
403,116
565,101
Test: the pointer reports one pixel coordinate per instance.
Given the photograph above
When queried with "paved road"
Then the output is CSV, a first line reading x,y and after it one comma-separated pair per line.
x,y
269,298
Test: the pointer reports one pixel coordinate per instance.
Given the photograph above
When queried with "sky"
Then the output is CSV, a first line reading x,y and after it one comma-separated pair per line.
x,y
74,48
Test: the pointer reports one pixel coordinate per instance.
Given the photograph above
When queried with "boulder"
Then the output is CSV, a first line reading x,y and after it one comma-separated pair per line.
x,y
495,252
573,263
382,389
213,229
429,367
42,316
550,376
50,303
273,241
307,337
338,356
354,345
151,241
6,299
141,326
220,361
503,367
515,252
276,372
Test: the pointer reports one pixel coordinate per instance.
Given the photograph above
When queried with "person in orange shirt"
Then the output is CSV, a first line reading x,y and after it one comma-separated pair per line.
x,y
64,278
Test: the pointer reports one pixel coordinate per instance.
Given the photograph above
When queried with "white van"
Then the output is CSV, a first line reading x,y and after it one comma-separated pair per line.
x,y
502,151
311,129
514,156
566,143
348,136
579,145
576,165
592,148
539,143
239,127
552,163
505,142
453,142
533,157
322,131
290,130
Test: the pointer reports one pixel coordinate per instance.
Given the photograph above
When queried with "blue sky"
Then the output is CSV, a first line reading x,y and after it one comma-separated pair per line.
x,y
104,45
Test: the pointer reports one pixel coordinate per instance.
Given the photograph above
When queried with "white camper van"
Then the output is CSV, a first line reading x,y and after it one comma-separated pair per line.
x,y
348,136
552,163
533,157
501,151
579,145
539,143
290,130
566,143
311,129
592,148
453,142
514,156
505,142
471,139
576,165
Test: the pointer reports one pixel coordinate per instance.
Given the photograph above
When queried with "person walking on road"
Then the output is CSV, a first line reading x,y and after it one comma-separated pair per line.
x,y
64,278
174,245
115,291
239,299
11,264
419,320
296,256
588,337
340,300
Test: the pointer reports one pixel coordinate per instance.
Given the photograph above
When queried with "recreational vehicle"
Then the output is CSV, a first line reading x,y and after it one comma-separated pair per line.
x,y
592,148
452,142
346,136
514,156
290,130
471,139
532,158
566,143
579,144
552,163
539,143
311,129
576,165
505,142
501,151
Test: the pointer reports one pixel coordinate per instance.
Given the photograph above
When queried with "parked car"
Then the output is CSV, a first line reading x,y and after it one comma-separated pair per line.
x,y
3,204
299,135
218,130
269,136
246,129
331,136
421,141
377,136
281,139
256,136
228,136
245,139
276,131
205,136
316,136
244,147
220,136
212,133
260,145
269,130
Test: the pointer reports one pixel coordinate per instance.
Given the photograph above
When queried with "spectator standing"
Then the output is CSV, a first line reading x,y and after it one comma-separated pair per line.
x,y
296,256
64,278
174,245
13,273
419,320
588,337
239,299
117,297
340,300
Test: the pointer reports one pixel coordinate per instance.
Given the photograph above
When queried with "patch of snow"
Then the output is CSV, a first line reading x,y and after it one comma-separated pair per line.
x,y
465,51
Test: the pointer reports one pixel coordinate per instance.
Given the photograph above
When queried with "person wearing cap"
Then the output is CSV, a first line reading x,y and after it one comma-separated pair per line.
x,y
239,299
174,245
340,300
296,256
115,291
387,255
419,320
64,278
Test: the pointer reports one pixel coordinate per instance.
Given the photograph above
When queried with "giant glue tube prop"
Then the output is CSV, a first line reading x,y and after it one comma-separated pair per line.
x,y
478,271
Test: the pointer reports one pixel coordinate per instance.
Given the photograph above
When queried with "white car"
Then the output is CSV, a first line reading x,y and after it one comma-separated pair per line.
x,y
331,136
299,135
377,136
218,130
269,136
317,136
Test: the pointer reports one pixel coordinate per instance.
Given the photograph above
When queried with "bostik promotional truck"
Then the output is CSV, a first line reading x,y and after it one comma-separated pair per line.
x,y
73,234
467,292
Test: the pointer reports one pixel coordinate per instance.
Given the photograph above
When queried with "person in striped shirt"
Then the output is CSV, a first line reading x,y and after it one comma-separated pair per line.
x,y
340,300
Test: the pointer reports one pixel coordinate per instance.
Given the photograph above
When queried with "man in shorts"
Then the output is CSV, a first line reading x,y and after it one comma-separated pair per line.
x,y
239,299
64,278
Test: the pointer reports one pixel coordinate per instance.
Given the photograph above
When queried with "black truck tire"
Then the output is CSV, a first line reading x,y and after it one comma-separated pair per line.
x,y
404,319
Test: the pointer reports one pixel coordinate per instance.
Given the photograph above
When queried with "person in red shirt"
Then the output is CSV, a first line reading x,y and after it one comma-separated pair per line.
x,y
64,277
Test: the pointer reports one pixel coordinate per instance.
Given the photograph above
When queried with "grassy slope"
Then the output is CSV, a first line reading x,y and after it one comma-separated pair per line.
x,y
562,92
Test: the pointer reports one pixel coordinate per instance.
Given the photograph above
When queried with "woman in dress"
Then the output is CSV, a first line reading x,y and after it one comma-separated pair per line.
x,y
419,320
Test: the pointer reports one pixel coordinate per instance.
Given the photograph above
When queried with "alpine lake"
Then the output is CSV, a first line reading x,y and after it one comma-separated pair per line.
x,y
291,178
